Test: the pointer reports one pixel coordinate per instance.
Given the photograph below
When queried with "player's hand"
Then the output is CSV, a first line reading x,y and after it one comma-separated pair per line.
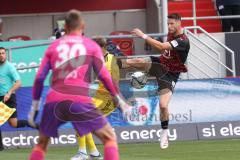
x,y
32,114
124,106
127,112
137,32
6,97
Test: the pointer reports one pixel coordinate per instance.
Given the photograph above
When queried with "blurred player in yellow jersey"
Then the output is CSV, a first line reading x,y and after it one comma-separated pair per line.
x,y
102,100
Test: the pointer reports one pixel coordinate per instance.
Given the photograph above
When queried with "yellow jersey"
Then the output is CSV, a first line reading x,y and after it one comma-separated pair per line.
x,y
103,100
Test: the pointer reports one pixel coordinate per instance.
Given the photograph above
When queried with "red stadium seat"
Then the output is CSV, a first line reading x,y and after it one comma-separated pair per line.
x,y
126,45
19,38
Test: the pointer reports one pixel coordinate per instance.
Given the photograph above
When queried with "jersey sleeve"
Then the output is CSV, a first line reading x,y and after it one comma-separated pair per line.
x,y
179,44
102,73
115,70
41,75
14,73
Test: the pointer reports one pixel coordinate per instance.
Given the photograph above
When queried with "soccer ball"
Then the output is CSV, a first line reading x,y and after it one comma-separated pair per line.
x,y
138,80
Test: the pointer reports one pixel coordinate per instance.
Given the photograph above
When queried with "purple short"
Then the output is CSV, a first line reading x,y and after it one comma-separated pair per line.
x,y
85,118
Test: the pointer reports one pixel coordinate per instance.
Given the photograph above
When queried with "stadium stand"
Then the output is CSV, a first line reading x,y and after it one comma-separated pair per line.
x,y
204,8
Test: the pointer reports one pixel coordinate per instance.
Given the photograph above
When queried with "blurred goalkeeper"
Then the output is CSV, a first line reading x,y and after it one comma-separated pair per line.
x,y
71,59
166,67
103,101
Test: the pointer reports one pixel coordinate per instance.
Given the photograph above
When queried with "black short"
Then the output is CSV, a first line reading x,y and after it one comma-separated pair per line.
x,y
165,79
12,103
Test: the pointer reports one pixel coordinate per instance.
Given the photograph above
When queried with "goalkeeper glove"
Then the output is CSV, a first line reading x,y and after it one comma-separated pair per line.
x,y
32,115
125,108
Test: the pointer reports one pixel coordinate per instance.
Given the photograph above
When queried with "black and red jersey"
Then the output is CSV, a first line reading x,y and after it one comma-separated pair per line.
x,y
174,59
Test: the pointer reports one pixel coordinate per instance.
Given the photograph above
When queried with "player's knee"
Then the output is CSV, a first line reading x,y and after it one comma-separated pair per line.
x,y
110,139
109,136
113,136
163,106
140,60
43,142
12,123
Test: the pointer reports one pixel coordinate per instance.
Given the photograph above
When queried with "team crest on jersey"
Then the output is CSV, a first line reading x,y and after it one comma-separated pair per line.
x,y
174,43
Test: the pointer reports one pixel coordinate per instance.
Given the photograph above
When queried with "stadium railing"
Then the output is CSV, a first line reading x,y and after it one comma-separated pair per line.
x,y
187,30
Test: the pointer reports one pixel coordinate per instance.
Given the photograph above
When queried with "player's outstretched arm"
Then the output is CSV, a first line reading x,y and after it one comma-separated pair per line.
x,y
38,87
156,44
40,77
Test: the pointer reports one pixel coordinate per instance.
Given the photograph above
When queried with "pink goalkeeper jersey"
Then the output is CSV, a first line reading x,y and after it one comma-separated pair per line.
x,y
71,59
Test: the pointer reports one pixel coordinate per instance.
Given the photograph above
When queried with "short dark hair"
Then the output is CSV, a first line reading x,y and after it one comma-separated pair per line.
x,y
175,16
73,19
101,41
3,48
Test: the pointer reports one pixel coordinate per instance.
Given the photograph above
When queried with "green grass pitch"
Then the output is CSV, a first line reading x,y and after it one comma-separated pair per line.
x,y
187,150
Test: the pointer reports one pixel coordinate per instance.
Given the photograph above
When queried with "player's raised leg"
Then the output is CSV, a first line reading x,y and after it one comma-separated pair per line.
x,y
139,63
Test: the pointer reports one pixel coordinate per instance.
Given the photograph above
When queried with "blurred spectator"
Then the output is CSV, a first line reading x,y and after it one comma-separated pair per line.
x,y
229,7
58,32
113,48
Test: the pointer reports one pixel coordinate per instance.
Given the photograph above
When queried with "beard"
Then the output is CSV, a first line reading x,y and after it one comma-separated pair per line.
x,y
2,61
172,31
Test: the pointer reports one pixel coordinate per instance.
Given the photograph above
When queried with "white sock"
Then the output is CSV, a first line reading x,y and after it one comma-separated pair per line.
x,y
82,150
95,153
